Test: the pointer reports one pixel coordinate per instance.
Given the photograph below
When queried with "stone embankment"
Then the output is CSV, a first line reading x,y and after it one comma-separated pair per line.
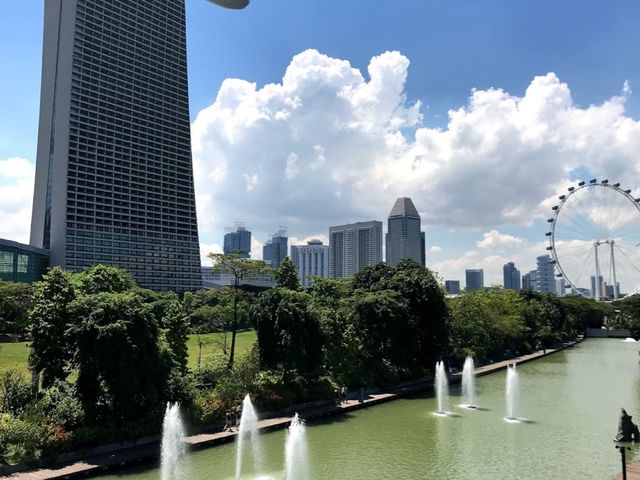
x,y
109,457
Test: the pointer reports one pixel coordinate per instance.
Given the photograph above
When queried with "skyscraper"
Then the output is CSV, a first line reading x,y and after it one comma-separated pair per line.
x,y
311,260
237,239
354,246
114,179
545,275
474,279
404,239
511,276
275,250
530,281
452,286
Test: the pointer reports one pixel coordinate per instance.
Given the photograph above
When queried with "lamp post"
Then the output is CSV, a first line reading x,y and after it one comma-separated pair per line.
x,y
623,457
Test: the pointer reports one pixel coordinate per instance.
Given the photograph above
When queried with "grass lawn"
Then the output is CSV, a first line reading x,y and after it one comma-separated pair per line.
x,y
14,355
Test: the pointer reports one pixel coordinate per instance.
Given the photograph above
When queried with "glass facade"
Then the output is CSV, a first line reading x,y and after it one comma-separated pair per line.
x,y
22,263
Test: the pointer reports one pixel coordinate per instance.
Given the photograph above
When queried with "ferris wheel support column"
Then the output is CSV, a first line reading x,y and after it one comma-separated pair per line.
x,y
616,293
596,282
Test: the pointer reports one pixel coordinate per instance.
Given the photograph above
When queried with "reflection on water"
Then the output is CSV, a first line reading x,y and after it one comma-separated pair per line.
x,y
572,398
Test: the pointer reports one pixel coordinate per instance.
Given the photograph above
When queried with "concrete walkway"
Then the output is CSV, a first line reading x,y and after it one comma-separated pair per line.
x,y
150,451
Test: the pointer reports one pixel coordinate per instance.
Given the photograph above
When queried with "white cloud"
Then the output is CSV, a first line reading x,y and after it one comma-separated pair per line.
x,y
205,250
434,249
493,239
351,145
16,198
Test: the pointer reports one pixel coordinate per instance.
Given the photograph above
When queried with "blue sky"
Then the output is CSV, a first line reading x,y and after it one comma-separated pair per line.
x,y
451,47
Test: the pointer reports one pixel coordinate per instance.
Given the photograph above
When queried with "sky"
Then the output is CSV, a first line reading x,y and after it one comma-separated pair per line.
x,y
312,114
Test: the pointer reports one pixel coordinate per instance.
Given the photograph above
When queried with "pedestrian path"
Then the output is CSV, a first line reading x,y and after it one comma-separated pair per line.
x,y
150,451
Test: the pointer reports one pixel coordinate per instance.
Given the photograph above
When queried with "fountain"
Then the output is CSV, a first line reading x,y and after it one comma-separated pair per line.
x,y
469,384
248,431
173,449
512,394
442,389
295,450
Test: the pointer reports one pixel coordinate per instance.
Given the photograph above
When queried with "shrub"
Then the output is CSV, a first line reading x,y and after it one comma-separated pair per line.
x,y
20,441
62,407
15,392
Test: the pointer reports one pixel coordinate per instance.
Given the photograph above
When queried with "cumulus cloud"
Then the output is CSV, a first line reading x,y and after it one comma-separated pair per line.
x,y
494,239
328,145
434,249
16,198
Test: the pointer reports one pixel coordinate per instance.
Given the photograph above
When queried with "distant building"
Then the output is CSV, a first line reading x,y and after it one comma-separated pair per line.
x,y
311,260
238,239
354,246
474,279
22,263
511,276
212,279
561,287
274,250
529,281
404,238
546,275
452,286
423,249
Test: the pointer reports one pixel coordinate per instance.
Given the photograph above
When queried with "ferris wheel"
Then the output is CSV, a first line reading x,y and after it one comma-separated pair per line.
x,y
595,240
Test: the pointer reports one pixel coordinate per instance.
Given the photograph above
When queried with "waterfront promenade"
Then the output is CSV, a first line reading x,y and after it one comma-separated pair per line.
x,y
121,456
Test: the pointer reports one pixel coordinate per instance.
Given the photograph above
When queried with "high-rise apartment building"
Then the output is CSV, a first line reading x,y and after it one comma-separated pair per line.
x,y
404,238
237,239
597,291
545,274
474,279
114,179
311,260
275,250
354,246
511,276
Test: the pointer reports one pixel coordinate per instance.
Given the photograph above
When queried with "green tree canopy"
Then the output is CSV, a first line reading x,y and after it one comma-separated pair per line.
x,y
105,278
286,275
50,319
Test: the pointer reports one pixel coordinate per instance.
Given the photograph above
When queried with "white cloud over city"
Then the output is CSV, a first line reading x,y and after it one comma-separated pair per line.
x,y
330,144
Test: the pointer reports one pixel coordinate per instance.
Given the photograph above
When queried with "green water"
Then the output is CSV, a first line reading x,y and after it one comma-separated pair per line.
x,y
572,399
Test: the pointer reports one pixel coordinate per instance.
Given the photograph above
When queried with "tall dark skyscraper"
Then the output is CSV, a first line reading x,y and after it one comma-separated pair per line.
x,y
404,238
511,276
474,279
114,177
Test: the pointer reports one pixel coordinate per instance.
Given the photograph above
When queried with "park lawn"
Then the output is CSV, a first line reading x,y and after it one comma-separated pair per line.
x,y
212,345
15,355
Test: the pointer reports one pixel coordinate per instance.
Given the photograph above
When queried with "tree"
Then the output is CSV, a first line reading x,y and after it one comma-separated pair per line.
x,y
286,275
289,335
239,268
50,318
105,278
175,324
123,369
15,303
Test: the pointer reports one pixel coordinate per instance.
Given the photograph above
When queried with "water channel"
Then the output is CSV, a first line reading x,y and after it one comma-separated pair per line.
x,y
572,399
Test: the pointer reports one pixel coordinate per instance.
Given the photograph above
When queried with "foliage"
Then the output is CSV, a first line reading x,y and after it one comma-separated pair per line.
x,y
61,406
122,366
15,303
486,323
286,275
105,279
50,349
289,334
16,392
585,312
20,441
176,331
